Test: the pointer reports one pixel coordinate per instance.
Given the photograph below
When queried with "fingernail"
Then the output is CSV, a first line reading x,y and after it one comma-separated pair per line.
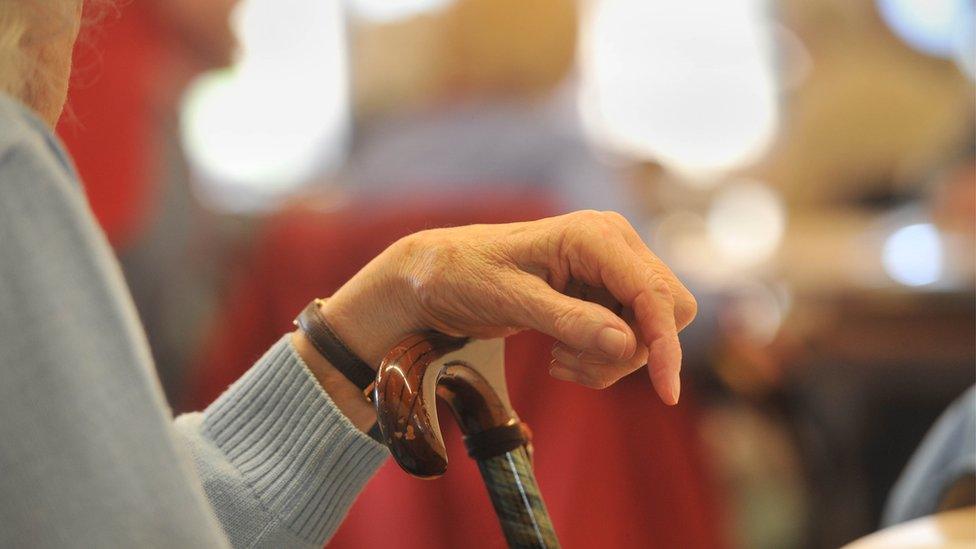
x,y
613,342
675,389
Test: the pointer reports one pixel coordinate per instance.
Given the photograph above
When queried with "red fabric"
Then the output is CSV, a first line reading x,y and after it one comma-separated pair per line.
x,y
617,468
107,125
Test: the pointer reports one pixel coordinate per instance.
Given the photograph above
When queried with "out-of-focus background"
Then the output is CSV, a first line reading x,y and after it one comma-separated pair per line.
x,y
806,166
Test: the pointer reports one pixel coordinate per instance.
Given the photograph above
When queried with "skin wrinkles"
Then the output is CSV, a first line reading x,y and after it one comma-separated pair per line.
x,y
590,247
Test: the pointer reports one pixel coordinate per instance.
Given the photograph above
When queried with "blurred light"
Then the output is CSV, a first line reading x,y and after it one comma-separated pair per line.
x,y
393,10
930,26
746,222
689,84
281,114
913,255
676,232
965,41
794,62
758,310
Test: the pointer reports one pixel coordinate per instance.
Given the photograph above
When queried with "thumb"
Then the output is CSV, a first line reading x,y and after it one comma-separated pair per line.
x,y
577,323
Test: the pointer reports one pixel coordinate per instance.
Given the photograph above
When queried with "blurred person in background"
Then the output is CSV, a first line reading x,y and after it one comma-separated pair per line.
x,y
941,475
92,456
488,103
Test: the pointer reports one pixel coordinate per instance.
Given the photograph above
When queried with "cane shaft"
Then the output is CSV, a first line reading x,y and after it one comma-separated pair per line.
x,y
515,495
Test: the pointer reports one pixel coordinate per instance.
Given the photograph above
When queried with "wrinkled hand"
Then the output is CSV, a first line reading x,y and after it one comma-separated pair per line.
x,y
585,278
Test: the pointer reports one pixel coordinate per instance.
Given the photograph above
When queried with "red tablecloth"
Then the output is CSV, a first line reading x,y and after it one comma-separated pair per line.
x,y
617,468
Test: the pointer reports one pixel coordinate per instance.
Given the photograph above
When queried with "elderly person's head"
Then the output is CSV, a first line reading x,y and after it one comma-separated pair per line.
x,y
36,39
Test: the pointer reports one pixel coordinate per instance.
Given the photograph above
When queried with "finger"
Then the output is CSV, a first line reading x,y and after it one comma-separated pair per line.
x,y
659,378
584,359
685,305
577,323
664,350
641,288
593,294
577,358
562,372
592,371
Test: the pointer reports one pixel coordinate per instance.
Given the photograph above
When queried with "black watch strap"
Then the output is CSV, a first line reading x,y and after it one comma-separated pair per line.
x,y
327,343
312,322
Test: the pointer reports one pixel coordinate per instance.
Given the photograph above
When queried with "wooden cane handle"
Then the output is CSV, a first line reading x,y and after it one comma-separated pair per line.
x,y
468,376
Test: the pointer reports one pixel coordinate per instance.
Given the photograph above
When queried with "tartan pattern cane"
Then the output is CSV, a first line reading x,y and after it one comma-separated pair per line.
x,y
515,496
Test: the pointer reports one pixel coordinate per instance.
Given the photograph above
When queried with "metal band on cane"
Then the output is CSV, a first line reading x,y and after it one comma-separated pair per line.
x,y
495,442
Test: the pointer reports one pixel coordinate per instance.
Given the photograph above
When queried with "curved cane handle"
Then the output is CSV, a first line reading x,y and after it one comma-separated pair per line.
x,y
468,375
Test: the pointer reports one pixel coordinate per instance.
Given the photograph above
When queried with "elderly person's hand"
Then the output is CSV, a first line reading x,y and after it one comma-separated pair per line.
x,y
494,280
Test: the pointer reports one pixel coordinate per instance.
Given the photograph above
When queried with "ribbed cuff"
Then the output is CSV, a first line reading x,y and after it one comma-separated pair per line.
x,y
303,458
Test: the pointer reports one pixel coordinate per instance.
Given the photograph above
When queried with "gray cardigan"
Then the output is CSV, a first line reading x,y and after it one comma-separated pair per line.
x,y
90,455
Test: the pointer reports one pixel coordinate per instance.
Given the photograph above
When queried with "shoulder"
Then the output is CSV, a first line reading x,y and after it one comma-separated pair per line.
x,y
27,143
38,183
18,126
42,203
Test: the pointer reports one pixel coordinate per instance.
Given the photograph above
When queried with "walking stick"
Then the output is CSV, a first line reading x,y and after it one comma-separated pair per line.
x,y
469,375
